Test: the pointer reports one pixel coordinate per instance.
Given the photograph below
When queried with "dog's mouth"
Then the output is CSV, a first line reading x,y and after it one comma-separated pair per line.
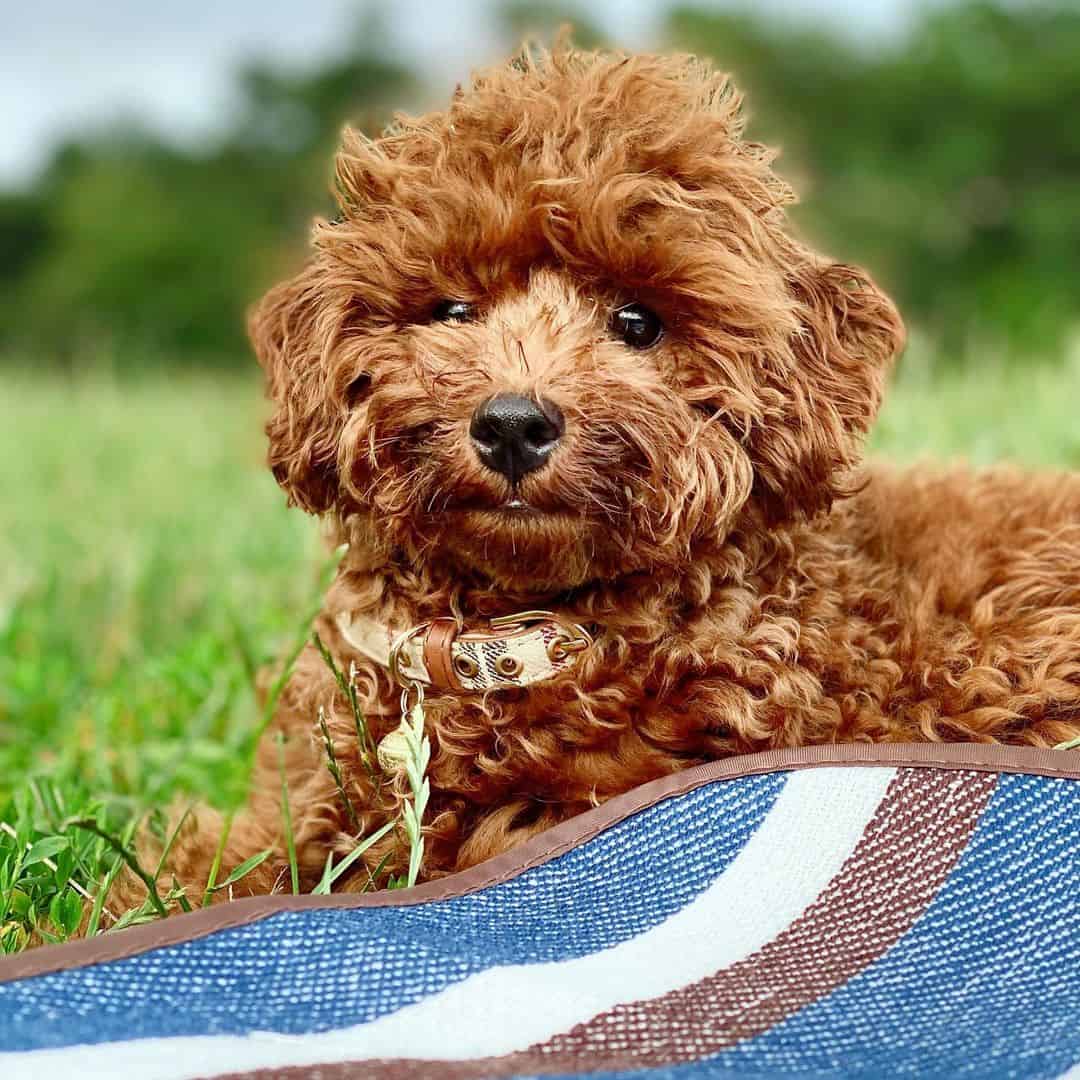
x,y
518,542
513,508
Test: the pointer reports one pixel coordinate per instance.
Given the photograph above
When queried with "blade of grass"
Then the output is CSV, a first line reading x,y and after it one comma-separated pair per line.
x,y
91,826
12,873
373,875
324,886
98,908
286,818
182,899
243,646
215,866
363,736
324,882
170,841
335,769
243,869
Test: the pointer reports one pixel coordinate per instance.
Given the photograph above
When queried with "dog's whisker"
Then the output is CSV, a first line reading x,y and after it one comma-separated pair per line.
x,y
453,372
389,440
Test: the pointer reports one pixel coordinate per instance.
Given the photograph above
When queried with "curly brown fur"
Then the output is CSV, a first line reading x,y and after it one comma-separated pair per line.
x,y
756,586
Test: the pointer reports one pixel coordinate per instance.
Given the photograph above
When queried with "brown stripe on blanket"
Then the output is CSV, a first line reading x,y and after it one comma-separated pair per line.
x,y
904,856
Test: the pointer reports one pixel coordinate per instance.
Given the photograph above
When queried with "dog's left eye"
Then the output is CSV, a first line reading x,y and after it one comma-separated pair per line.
x,y
637,325
452,311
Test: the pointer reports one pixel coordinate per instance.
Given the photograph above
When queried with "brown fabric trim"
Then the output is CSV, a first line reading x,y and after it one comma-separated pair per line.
x,y
907,851
977,757
437,656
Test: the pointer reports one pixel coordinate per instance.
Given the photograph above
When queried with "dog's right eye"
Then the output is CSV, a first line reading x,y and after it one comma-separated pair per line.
x,y
452,311
637,325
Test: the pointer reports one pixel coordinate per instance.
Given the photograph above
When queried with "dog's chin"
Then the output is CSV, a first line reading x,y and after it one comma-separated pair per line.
x,y
521,548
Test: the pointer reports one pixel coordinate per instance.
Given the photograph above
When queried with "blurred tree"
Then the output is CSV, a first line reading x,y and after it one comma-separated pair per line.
x,y
519,19
129,242
24,233
949,161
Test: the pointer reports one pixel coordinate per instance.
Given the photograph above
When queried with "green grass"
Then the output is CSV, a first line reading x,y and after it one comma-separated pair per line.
x,y
992,410
148,566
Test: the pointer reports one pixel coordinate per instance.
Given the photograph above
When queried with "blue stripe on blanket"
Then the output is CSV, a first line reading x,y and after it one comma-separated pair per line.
x,y
344,967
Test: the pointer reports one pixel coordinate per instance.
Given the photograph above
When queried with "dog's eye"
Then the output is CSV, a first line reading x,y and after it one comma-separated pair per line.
x,y
452,311
637,326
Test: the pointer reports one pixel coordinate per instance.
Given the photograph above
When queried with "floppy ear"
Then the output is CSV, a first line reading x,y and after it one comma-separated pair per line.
x,y
290,336
828,391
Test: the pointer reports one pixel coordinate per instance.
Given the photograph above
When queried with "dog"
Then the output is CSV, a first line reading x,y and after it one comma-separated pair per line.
x,y
590,420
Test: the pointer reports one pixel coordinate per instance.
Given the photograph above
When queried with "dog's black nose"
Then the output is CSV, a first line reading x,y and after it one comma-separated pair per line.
x,y
514,434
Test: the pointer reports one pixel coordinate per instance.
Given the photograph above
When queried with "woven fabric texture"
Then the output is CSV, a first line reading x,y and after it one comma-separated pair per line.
x,y
840,921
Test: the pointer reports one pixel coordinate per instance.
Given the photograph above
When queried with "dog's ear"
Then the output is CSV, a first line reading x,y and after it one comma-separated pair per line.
x,y
829,390
304,428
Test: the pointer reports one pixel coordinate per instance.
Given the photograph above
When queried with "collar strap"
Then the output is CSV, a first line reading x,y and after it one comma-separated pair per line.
x,y
515,650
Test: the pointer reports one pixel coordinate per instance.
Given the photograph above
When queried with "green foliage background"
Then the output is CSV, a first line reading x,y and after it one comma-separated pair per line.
x,y
948,161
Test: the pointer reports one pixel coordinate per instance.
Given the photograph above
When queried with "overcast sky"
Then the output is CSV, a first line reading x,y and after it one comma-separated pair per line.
x,y
65,64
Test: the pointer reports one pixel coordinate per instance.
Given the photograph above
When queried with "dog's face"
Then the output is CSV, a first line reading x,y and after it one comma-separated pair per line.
x,y
559,332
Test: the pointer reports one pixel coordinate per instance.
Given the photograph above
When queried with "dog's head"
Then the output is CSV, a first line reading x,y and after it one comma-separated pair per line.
x,y
559,331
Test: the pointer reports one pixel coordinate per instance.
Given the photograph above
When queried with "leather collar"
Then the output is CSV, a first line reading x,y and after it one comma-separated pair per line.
x,y
515,650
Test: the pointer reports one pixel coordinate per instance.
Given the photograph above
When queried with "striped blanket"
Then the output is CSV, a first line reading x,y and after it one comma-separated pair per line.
x,y
841,911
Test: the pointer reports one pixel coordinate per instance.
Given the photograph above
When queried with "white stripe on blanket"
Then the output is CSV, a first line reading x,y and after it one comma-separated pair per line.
x,y
802,843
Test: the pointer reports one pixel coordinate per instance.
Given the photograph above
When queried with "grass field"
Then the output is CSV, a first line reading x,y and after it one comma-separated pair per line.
x,y
148,565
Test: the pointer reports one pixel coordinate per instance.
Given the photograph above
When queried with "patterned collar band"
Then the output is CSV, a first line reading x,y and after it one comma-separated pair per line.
x,y
516,650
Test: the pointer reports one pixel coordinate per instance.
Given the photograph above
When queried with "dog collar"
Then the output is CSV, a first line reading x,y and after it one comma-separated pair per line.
x,y
516,650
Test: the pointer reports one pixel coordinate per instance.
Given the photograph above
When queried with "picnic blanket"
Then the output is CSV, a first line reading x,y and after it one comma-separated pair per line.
x,y
839,911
